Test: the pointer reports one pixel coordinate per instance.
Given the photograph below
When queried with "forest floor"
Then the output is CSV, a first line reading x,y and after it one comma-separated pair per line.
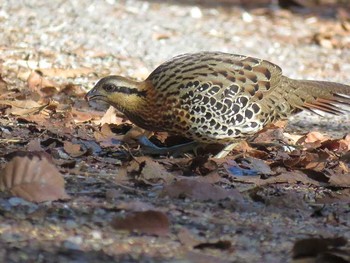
x,y
116,204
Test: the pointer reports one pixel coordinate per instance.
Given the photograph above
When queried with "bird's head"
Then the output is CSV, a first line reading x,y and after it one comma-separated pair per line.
x,y
122,93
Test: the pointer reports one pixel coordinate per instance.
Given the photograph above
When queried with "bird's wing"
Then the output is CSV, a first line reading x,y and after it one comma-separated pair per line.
x,y
214,89
216,73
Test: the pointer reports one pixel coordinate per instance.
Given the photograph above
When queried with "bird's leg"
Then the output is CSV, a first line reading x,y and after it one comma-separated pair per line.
x,y
150,148
224,152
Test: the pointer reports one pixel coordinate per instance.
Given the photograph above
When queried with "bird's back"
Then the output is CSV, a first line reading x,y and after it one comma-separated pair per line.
x,y
215,96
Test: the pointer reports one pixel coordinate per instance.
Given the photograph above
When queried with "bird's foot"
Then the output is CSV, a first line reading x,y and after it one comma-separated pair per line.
x,y
149,147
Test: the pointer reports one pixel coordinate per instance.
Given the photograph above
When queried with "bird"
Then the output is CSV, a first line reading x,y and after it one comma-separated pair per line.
x,y
217,97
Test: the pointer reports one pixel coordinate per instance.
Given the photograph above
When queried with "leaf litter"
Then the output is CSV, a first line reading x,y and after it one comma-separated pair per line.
x,y
262,200
252,176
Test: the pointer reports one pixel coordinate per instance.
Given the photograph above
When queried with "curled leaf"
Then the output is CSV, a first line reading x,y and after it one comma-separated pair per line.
x,y
35,180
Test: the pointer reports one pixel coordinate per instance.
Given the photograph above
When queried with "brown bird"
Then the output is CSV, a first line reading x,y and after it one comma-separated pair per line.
x,y
215,97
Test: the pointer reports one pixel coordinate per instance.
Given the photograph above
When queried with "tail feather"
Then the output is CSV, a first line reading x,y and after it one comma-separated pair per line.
x,y
323,96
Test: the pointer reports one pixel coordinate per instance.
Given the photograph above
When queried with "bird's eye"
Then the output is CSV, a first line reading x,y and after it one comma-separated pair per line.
x,y
109,87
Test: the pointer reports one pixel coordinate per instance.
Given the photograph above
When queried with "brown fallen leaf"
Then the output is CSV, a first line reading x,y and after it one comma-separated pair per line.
x,y
74,150
201,191
73,90
34,145
313,139
272,132
145,170
78,116
153,171
44,87
35,180
306,160
149,222
342,145
340,180
26,107
251,151
109,117
294,177
106,137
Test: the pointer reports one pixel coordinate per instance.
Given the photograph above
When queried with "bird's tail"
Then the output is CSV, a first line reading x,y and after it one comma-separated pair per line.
x,y
316,96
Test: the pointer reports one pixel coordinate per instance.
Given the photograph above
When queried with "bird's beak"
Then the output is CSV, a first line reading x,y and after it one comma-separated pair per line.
x,y
91,94
87,96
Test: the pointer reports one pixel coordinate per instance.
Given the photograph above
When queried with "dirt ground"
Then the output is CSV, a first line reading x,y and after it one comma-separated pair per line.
x,y
271,205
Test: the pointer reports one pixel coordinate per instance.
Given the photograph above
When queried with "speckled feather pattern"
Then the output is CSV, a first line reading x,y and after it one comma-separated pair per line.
x,y
217,97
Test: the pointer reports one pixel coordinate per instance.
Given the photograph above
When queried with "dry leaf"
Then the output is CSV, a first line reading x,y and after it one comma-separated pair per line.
x,y
146,170
73,150
269,134
35,180
202,191
110,117
44,87
152,171
73,90
25,107
294,177
83,116
340,180
34,145
342,145
106,137
250,151
148,222
314,136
